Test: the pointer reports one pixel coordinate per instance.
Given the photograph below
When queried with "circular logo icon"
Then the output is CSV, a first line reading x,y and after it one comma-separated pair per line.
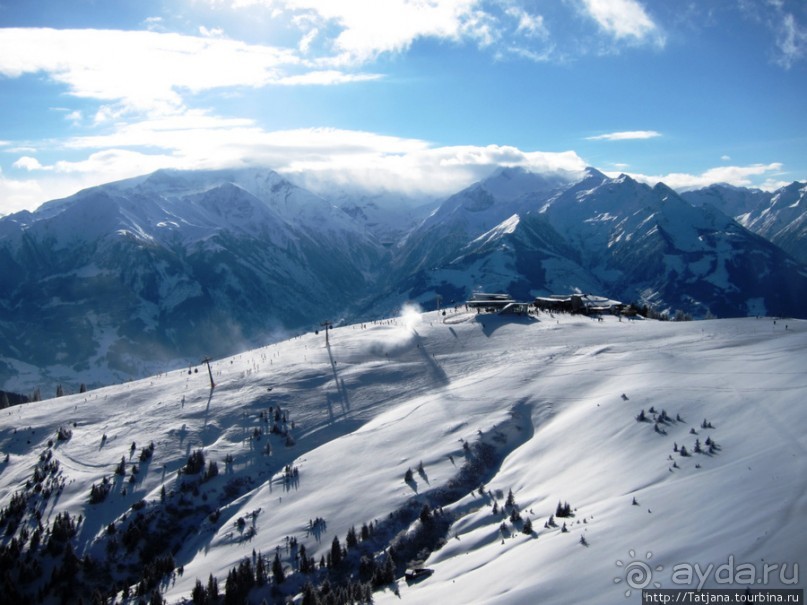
x,y
637,574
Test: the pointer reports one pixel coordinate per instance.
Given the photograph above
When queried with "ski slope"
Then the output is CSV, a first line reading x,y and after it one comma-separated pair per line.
x,y
555,396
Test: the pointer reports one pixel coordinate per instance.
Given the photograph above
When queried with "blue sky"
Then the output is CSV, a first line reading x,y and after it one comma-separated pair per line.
x,y
421,96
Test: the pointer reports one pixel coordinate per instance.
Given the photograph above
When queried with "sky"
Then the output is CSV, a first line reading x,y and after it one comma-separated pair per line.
x,y
422,97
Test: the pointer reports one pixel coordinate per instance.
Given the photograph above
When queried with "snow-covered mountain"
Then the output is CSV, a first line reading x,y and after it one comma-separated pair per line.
x,y
612,236
779,216
174,265
446,442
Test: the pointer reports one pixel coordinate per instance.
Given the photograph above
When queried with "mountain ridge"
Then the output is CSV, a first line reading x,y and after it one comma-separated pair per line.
x,y
178,265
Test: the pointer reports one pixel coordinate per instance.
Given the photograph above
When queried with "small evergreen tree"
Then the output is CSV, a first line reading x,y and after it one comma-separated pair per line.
x,y
527,529
511,500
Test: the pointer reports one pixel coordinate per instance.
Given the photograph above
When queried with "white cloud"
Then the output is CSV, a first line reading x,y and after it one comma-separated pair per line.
x,y
739,176
150,72
326,77
16,195
624,20
368,28
28,163
317,156
625,135
215,32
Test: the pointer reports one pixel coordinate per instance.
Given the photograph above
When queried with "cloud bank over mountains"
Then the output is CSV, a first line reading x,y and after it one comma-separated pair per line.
x,y
196,90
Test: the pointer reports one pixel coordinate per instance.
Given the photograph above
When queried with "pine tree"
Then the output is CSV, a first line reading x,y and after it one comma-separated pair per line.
x,y
198,594
278,574
309,595
425,515
303,559
527,529
351,540
212,589
511,500
260,571
336,552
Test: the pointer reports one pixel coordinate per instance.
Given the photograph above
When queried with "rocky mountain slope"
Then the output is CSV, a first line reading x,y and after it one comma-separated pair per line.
x,y
120,279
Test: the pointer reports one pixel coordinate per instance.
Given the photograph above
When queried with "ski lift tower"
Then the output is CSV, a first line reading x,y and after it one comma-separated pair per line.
x,y
210,373
327,325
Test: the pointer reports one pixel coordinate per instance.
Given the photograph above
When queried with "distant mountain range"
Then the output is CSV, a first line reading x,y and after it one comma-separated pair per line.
x,y
124,279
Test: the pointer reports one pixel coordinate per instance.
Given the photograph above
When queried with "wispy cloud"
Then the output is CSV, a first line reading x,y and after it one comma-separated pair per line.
x,y
785,21
625,135
624,20
791,40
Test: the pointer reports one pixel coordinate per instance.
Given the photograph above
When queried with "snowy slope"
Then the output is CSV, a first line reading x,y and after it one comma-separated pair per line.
x,y
554,397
